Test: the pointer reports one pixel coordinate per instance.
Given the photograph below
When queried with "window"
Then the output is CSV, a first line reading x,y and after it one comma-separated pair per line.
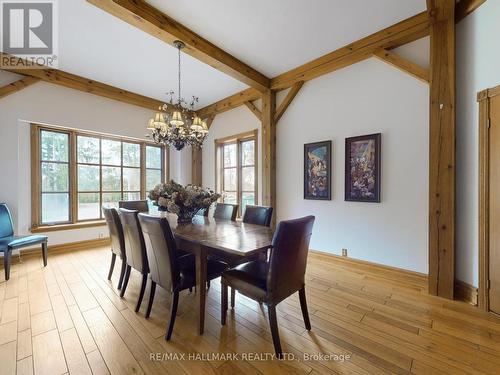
x,y
237,169
80,172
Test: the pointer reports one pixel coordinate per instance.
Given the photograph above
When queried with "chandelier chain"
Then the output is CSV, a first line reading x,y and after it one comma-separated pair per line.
x,y
179,67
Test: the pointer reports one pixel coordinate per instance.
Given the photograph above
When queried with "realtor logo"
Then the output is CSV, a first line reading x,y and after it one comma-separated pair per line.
x,y
29,32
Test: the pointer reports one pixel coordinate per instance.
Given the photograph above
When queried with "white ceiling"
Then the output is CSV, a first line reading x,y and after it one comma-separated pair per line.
x,y
272,36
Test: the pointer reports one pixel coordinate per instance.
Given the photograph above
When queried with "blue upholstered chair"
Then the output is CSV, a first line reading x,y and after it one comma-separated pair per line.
x,y
9,242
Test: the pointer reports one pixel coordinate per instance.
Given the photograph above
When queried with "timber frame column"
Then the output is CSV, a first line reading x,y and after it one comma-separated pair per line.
x,y
269,150
196,166
442,149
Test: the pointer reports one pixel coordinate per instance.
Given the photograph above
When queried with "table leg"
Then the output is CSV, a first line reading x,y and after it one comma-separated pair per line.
x,y
201,285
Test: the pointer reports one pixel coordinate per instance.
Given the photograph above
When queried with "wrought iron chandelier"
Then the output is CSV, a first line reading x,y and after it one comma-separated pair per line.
x,y
176,123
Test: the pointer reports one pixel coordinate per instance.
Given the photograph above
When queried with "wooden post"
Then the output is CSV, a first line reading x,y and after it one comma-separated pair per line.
x,y
442,149
269,149
197,166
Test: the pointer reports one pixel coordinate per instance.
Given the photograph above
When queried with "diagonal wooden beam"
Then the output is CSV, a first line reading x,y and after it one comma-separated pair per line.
x,y
466,7
254,110
230,102
402,64
394,36
209,120
149,19
287,101
17,86
75,82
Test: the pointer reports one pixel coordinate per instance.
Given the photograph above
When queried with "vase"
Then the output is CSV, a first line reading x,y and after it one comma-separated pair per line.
x,y
185,216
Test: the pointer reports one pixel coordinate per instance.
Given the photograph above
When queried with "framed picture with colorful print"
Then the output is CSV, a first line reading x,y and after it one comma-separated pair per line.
x,y
362,168
318,170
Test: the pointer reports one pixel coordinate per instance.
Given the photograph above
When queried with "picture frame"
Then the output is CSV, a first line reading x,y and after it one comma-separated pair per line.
x,y
318,170
363,168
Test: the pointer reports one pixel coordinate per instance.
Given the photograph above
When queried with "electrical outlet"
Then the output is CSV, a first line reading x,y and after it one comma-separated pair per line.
x,y
344,252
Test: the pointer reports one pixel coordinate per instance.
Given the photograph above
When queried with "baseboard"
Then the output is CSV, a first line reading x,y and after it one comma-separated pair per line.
x,y
61,248
466,292
416,278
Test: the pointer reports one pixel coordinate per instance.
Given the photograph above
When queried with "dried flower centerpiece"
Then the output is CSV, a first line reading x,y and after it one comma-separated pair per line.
x,y
184,201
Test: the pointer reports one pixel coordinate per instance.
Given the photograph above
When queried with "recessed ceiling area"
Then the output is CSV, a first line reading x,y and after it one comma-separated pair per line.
x,y
274,36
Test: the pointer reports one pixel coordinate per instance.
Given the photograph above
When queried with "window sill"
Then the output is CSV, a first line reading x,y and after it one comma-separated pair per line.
x,y
58,227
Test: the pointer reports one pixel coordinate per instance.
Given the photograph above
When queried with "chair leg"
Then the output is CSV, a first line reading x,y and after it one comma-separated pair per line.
x,y
112,266
122,273
223,307
233,297
6,263
141,293
151,298
190,290
125,281
303,307
173,313
273,322
208,284
44,253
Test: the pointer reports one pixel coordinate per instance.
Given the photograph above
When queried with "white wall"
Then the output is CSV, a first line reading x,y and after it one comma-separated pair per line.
x,y
365,98
50,104
478,68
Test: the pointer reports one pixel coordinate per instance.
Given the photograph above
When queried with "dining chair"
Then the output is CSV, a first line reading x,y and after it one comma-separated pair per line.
x,y
272,282
9,242
259,215
141,206
226,211
117,241
135,251
203,212
167,269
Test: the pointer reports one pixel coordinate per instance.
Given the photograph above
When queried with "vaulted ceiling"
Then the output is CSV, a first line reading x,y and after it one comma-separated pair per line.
x,y
271,36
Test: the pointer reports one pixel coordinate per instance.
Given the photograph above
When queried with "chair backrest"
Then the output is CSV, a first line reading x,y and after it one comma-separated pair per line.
x,y
162,251
259,215
141,206
134,240
226,211
289,257
6,226
115,231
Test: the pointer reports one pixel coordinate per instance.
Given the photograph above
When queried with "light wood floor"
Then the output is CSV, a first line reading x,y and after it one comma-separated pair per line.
x,y
67,318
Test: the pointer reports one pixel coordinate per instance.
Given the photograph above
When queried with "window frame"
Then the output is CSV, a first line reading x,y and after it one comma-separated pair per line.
x,y
237,139
36,173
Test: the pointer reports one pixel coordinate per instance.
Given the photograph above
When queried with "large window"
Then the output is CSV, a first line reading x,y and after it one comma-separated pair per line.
x,y
79,172
237,169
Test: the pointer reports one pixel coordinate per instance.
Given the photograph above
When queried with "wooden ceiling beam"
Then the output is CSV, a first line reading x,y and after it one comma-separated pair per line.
x,y
287,101
254,110
402,64
394,36
152,21
72,81
466,7
230,102
17,86
209,120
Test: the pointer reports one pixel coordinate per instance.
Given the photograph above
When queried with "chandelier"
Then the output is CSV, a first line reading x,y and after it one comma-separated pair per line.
x,y
176,123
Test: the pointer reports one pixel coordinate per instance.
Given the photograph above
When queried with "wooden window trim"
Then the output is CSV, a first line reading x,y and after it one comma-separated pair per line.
x,y
74,223
219,163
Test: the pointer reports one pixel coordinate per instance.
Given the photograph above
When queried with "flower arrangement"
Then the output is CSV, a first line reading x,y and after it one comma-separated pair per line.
x,y
184,201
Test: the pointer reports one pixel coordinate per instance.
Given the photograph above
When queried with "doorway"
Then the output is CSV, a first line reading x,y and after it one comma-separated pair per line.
x,y
489,199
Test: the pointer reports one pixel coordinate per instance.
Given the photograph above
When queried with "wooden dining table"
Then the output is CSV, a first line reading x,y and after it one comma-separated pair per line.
x,y
208,236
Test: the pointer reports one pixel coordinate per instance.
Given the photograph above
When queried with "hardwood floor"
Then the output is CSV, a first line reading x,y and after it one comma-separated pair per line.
x,y
67,318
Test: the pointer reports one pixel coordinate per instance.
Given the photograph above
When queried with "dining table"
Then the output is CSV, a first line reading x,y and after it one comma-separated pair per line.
x,y
206,236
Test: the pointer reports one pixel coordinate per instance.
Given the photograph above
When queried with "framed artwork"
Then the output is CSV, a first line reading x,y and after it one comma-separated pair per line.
x,y
317,170
362,168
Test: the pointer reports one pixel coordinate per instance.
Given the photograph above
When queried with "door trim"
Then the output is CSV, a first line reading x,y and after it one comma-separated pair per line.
x,y
483,98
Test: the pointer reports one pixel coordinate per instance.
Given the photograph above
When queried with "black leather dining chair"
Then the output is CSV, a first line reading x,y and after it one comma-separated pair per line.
x,y
167,269
141,206
259,215
226,211
10,242
117,241
272,282
135,251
